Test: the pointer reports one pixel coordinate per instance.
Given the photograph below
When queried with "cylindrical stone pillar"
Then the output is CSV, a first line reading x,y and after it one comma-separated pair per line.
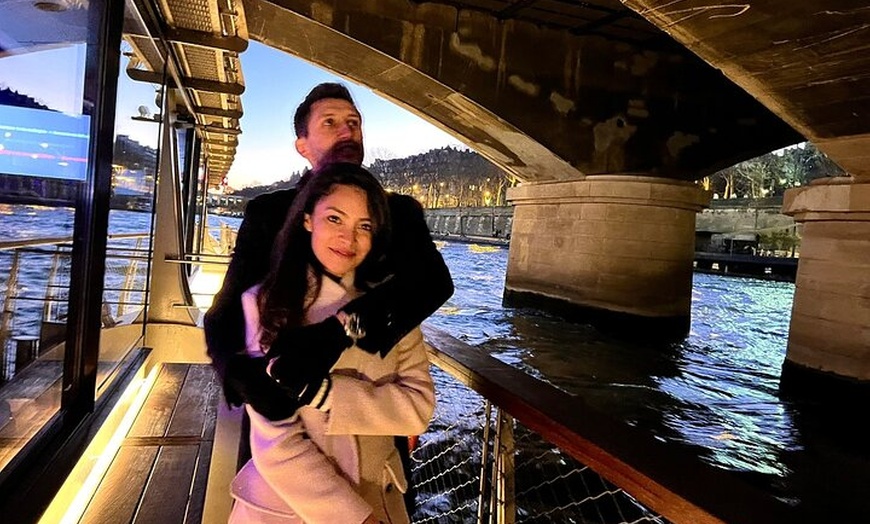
x,y
829,335
614,249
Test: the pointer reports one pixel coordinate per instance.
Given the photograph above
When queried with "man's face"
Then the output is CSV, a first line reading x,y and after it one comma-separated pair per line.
x,y
334,133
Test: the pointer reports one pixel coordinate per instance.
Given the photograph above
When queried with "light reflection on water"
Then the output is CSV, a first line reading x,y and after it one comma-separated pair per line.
x,y
716,391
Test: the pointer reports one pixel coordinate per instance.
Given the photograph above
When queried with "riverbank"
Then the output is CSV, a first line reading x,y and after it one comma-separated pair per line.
x,y
779,269
471,239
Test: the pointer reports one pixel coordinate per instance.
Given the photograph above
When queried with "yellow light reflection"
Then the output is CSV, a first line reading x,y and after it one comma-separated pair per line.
x,y
71,501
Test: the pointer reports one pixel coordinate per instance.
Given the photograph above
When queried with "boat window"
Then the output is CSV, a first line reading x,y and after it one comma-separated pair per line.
x,y
53,206
138,124
44,145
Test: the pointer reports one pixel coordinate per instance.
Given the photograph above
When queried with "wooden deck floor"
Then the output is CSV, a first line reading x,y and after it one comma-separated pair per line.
x,y
159,475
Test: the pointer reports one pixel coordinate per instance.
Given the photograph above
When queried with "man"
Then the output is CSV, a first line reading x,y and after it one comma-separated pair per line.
x,y
328,129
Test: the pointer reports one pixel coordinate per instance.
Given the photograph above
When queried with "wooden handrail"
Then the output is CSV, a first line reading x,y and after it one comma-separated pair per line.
x,y
667,480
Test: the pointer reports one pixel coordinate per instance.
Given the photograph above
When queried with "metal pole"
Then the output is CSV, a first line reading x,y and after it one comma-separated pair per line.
x,y
50,286
203,216
129,281
9,303
494,480
505,496
481,499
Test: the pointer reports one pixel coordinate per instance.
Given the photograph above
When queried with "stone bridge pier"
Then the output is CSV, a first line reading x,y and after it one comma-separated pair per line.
x,y
829,335
616,249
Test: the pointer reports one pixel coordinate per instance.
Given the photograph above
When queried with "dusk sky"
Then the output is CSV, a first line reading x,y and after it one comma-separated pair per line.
x,y
275,84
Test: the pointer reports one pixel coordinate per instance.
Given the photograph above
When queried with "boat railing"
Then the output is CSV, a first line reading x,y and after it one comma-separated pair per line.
x,y
32,302
34,287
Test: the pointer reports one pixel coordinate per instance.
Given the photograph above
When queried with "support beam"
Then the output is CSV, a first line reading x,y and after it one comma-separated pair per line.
x,y
614,249
171,296
221,130
230,141
203,39
197,84
217,111
221,154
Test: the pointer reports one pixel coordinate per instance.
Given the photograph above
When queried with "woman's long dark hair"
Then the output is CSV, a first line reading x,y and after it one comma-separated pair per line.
x,y
287,290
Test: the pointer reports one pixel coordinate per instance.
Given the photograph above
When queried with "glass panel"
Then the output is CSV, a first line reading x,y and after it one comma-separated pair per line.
x,y
44,137
134,165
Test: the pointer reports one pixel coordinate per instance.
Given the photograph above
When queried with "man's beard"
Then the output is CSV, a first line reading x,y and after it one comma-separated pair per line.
x,y
344,151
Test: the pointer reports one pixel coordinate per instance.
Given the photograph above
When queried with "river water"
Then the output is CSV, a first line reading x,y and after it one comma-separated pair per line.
x,y
718,389
716,392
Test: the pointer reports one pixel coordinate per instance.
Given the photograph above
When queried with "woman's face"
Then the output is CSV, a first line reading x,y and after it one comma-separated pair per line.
x,y
341,229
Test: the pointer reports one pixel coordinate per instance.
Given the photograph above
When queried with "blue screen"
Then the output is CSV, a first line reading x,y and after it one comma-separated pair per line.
x,y
40,143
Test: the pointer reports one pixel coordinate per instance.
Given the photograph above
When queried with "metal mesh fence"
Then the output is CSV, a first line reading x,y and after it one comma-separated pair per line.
x,y
528,480
447,463
552,486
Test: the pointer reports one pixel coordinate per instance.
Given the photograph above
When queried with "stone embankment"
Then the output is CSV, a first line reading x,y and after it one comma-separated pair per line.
x,y
726,234
725,217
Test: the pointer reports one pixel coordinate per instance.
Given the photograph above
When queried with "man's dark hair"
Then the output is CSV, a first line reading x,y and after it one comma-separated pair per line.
x,y
320,92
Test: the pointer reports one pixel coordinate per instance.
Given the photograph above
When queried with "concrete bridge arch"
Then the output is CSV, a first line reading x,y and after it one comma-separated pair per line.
x,y
543,102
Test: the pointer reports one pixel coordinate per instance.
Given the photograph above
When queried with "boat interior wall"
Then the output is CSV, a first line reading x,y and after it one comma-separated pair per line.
x,y
170,294
79,304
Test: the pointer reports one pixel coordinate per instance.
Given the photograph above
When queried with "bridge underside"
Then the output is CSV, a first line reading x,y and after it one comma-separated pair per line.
x,y
807,61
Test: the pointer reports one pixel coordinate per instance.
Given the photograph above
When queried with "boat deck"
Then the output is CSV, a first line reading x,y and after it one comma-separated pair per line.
x,y
161,471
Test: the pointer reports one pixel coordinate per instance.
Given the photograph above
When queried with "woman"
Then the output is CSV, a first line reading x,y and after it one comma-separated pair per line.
x,y
334,460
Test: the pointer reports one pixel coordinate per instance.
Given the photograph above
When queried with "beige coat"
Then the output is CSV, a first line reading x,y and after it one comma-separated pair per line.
x,y
337,464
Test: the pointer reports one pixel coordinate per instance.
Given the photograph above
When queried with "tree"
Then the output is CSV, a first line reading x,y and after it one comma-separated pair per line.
x,y
771,174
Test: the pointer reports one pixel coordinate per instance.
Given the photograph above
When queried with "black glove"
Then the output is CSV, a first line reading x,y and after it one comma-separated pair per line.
x,y
300,358
245,380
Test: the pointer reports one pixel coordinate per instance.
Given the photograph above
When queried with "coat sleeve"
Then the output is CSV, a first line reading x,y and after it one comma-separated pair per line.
x,y
397,404
224,322
420,281
301,474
